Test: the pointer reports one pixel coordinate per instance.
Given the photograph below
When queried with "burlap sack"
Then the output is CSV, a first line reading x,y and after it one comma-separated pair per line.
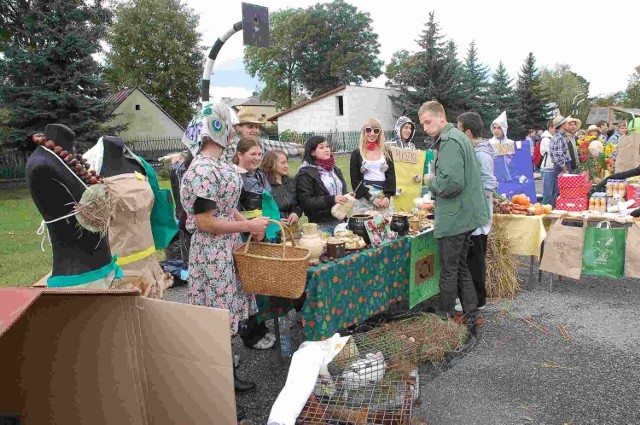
x,y
628,152
632,252
563,250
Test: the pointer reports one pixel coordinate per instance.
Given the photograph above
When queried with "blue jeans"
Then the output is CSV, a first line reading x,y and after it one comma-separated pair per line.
x,y
549,187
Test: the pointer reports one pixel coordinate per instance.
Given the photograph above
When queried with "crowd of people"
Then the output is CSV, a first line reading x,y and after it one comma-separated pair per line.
x,y
231,173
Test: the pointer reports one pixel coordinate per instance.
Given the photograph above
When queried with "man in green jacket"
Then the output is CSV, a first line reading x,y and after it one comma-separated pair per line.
x,y
460,207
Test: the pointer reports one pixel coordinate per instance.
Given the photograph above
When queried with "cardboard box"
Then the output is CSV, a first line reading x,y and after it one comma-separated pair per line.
x,y
112,357
572,204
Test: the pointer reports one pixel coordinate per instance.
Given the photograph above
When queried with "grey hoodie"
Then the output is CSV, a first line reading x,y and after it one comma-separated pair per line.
x,y
397,141
485,154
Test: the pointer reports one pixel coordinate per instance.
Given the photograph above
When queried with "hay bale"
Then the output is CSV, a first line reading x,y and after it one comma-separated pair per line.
x,y
502,266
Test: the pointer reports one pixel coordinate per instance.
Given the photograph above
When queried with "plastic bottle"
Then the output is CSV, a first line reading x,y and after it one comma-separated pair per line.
x,y
285,336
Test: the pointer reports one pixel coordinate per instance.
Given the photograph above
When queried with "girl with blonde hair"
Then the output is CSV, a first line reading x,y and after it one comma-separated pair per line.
x,y
372,170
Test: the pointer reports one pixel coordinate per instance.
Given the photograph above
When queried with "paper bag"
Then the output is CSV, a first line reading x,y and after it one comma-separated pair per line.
x,y
628,152
632,252
603,252
563,249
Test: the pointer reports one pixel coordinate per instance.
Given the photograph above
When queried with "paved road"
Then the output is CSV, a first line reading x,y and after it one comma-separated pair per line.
x,y
521,375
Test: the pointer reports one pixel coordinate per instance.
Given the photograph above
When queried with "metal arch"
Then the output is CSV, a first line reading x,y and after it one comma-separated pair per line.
x,y
213,54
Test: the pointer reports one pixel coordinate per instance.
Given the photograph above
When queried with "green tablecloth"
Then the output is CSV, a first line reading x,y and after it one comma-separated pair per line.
x,y
343,293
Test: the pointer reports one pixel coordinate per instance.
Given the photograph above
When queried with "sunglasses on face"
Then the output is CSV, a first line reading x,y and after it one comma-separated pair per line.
x,y
369,130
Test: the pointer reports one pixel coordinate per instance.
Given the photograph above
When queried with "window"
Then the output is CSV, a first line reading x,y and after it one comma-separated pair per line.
x,y
340,105
137,107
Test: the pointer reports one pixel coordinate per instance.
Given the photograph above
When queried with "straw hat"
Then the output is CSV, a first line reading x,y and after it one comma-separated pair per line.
x,y
593,127
558,121
248,117
576,120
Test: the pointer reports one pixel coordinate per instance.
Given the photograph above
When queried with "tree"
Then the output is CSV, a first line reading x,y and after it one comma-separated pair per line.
x,y
155,46
501,97
565,88
632,94
340,47
433,73
532,110
279,65
315,50
475,77
47,70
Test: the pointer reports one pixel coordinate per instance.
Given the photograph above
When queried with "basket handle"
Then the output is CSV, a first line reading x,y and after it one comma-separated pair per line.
x,y
284,238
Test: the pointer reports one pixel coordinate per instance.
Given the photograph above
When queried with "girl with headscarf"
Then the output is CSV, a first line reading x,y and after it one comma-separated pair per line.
x,y
372,171
210,193
320,184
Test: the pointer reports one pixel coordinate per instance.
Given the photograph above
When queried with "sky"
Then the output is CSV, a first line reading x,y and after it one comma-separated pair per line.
x,y
598,46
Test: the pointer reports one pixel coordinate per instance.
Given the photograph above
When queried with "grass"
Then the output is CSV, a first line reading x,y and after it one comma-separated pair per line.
x,y
22,262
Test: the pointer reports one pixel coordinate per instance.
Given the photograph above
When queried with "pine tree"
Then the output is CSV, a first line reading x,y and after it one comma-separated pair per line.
x,y
532,111
47,71
476,84
501,97
432,73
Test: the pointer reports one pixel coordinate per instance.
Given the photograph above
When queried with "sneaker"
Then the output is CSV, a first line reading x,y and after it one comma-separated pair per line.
x,y
482,307
458,306
271,337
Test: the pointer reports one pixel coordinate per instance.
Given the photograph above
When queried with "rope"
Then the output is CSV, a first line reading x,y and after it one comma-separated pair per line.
x,y
41,230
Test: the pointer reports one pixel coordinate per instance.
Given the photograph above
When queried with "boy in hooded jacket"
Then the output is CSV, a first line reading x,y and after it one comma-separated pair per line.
x,y
405,130
471,124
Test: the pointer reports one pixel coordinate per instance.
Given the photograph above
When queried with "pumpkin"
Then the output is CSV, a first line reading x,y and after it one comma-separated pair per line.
x,y
521,200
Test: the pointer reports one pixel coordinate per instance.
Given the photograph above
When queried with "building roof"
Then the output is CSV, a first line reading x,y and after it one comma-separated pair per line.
x,y
248,101
115,100
602,113
306,102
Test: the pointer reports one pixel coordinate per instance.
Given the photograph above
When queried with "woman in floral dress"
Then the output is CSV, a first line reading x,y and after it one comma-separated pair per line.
x,y
210,193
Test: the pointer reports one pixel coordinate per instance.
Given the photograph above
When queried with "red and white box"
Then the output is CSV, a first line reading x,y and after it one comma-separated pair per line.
x,y
574,185
572,204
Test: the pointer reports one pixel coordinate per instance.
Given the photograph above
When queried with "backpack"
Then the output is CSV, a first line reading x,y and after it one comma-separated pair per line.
x,y
537,157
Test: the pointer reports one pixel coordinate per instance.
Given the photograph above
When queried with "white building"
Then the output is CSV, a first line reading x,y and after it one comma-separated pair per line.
x,y
345,108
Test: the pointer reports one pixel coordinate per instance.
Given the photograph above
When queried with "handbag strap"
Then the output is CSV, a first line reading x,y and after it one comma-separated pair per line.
x,y
284,238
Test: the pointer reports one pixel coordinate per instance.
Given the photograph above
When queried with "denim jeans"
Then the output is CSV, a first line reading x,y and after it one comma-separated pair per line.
x,y
454,274
549,187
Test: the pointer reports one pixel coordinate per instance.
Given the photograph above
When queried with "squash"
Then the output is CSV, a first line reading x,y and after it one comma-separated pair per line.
x,y
521,200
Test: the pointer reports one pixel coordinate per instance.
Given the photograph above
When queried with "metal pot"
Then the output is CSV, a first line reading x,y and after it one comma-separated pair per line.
x,y
357,223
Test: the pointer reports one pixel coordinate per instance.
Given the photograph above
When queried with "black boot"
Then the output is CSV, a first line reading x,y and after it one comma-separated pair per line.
x,y
240,386
240,413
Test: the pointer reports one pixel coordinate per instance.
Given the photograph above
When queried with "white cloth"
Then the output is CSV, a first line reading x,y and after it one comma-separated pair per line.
x,y
306,365
374,169
95,155
502,122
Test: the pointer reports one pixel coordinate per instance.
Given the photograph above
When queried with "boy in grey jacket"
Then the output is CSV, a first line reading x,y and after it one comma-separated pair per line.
x,y
471,124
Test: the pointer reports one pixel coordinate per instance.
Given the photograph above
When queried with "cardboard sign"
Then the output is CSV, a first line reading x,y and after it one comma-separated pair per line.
x,y
504,149
424,279
408,167
514,172
409,156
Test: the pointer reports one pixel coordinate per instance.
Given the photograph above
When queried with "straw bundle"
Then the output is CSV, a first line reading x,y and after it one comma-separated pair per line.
x,y
95,209
502,266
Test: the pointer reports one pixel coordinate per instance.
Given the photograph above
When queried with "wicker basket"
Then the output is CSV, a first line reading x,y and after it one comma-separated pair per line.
x,y
271,269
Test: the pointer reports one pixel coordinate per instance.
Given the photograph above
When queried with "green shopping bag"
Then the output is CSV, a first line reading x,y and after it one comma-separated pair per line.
x,y
603,251
270,209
